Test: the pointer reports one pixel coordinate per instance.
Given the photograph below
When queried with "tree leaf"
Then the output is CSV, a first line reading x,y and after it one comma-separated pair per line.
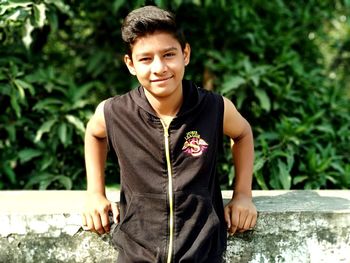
x,y
46,162
284,175
20,89
24,85
13,4
28,154
258,164
9,172
44,128
299,179
261,181
62,133
27,38
39,14
15,106
38,178
232,83
255,79
76,122
43,104
65,181
263,99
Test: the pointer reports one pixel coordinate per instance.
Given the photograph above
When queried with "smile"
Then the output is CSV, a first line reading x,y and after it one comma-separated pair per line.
x,y
162,79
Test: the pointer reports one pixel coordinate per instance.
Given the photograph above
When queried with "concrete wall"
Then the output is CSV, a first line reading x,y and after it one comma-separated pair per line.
x,y
293,226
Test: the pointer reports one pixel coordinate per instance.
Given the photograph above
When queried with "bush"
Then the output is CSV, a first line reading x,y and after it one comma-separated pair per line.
x,y
283,63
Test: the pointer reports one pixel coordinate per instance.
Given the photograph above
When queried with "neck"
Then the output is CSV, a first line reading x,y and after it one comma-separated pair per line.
x,y
166,107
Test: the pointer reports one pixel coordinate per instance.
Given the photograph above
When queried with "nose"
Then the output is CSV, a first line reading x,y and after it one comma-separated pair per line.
x,y
158,66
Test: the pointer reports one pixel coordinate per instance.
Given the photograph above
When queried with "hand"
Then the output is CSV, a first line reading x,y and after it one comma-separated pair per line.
x,y
95,216
240,214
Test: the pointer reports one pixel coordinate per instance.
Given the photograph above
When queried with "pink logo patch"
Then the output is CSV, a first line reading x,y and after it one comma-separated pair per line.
x,y
194,145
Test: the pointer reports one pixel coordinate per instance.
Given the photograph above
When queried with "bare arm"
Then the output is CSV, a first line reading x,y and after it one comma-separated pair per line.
x,y
240,212
95,215
95,150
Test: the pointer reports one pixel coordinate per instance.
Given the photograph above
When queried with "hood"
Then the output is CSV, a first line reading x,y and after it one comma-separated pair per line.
x,y
191,100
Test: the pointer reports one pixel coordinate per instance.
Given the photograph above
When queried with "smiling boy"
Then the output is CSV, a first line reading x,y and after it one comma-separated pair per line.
x,y
166,135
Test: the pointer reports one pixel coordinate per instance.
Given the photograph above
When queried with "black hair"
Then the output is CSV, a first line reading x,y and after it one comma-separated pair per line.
x,y
147,20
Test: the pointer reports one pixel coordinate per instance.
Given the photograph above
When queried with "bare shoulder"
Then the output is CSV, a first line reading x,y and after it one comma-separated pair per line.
x,y
234,124
97,124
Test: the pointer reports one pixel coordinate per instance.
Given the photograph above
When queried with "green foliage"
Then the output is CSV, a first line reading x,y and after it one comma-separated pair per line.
x,y
45,108
283,63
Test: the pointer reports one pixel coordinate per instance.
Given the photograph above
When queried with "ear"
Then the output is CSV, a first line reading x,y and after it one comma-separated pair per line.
x,y
187,54
128,62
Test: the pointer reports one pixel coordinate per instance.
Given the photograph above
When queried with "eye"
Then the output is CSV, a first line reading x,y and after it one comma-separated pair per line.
x,y
144,59
170,54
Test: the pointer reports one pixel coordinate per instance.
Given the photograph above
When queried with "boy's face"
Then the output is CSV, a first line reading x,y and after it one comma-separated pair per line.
x,y
159,63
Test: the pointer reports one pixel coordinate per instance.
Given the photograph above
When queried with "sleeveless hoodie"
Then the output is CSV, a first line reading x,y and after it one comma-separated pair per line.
x,y
171,208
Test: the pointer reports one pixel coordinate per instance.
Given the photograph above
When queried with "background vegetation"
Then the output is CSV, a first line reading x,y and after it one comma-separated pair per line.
x,y
283,63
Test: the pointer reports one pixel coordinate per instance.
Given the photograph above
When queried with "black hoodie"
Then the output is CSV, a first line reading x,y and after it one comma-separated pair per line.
x,y
171,207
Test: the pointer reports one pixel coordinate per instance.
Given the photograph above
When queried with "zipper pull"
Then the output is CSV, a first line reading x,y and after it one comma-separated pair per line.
x,y
165,127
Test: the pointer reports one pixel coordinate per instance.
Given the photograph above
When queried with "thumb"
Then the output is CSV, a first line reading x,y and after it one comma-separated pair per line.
x,y
115,212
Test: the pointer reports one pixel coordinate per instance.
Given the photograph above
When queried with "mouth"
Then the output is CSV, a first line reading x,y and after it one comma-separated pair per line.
x,y
161,79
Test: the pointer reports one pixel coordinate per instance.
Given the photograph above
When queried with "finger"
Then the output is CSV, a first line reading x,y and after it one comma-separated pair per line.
x,y
89,223
250,222
227,217
105,222
247,223
253,222
234,221
243,215
115,211
83,221
97,223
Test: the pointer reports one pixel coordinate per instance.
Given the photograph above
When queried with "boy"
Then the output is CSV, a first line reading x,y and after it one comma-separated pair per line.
x,y
166,135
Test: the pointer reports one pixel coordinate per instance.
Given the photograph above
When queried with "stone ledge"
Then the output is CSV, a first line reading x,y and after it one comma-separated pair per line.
x,y
293,226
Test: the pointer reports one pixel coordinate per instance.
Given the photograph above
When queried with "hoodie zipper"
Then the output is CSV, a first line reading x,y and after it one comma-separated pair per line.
x,y
170,191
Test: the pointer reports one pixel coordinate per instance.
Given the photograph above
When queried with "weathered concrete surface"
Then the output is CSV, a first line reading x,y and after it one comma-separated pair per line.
x,y
293,226
44,226
299,226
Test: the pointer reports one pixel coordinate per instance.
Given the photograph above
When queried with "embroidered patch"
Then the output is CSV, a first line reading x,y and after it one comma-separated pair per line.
x,y
194,145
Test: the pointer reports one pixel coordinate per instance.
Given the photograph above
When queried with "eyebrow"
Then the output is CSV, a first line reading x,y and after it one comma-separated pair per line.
x,y
163,51
170,49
